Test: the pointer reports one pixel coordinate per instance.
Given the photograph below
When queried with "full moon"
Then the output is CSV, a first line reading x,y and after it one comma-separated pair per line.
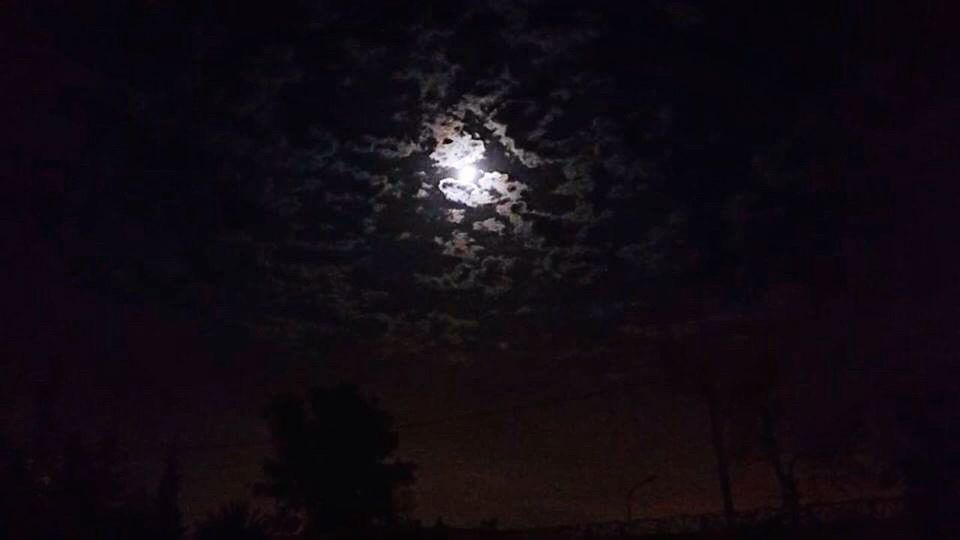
x,y
467,173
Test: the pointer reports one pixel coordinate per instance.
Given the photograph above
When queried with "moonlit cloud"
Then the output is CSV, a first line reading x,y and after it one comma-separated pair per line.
x,y
457,150
473,184
489,189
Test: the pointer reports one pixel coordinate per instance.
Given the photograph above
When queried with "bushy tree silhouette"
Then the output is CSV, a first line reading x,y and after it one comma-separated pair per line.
x,y
234,521
332,463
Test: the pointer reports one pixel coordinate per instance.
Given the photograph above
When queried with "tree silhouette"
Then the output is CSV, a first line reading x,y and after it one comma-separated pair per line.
x,y
234,521
776,414
695,364
332,463
758,416
169,524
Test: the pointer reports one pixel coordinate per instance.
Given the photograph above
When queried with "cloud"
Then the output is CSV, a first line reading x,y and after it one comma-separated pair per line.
x,y
383,230
490,188
489,225
456,149
460,245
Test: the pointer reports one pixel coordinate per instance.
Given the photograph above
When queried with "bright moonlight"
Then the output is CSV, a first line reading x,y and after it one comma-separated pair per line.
x,y
467,173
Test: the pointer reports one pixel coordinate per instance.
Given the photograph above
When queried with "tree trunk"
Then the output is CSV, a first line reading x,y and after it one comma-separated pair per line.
x,y
788,488
786,478
720,450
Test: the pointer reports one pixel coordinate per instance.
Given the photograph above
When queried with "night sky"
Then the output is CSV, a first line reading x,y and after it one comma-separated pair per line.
x,y
521,226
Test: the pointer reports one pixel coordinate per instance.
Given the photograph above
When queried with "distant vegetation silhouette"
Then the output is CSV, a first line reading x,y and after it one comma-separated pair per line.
x,y
332,470
79,493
